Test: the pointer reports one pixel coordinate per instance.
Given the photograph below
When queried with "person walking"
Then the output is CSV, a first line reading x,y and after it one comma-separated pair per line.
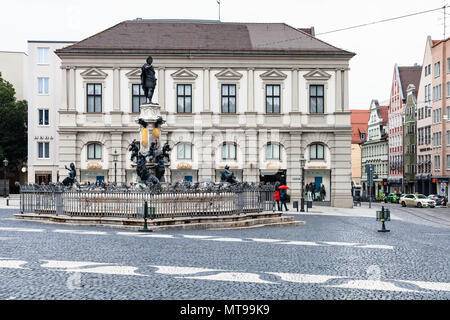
x,y
283,198
276,198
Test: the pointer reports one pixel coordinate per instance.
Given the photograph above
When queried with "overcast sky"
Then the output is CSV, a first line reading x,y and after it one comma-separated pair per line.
x,y
378,47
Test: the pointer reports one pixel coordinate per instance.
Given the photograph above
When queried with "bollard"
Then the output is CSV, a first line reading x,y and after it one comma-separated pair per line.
x,y
383,215
145,229
7,201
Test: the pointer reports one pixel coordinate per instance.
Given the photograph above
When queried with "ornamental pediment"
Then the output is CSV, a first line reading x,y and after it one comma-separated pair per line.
x,y
134,74
273,75
228,74
93,73
184,74
317,74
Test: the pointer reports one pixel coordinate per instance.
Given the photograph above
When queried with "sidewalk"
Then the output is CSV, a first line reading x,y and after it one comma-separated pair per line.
x,y
14,202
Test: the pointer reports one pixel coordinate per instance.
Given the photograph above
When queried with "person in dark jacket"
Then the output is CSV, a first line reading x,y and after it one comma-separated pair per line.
x,y
283,198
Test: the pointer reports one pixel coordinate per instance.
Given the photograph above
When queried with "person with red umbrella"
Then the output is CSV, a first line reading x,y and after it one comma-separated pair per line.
x,y
276,198
283,197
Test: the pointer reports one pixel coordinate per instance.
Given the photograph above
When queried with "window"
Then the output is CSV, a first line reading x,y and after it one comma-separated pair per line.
x,y
437,163
43,150
229,151
43,117
273,151
184,98
184,151
94,97
273,98
138,98
448,89
437,93
448,162
316,99
448,113
43,55
316,152
228,98
448,65
94,151
448,138
437,69
42,85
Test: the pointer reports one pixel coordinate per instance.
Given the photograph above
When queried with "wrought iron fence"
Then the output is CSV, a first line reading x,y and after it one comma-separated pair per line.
x,y
164,202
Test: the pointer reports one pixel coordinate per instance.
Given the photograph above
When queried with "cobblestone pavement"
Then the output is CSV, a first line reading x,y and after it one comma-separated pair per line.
x,y
338,255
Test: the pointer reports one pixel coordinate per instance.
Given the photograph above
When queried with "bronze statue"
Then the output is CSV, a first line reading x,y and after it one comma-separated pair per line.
x,y
70,180
134,148
227,176
143,172
148,79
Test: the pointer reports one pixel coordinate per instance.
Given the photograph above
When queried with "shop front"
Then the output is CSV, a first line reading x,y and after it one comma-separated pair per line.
x,y
181,175
395,185
319,180
94,175
423,184
272,176
43,177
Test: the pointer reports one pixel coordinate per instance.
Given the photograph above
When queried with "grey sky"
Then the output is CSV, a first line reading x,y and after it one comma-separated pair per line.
x,y
378,47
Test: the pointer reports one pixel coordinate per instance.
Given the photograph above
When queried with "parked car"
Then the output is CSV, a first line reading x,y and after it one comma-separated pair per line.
x,y
440,200
417,200
391,198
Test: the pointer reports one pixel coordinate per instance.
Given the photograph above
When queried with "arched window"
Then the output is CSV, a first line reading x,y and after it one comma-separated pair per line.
x,y
316,152
184,151
94,151
273,151
229,151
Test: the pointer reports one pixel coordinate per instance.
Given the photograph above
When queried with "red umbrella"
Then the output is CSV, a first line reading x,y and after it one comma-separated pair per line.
x,y
283,187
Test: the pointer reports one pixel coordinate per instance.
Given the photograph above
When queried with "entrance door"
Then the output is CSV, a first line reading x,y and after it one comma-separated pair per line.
x,y
43,178
317,181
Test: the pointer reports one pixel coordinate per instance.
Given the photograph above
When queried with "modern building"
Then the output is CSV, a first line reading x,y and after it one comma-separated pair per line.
x,y
12,68
440,128
402,77
424,122
254,96
44,92
410,141
359,119
375,150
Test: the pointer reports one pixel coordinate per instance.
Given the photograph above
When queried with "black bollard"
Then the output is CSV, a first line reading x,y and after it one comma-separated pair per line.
x,y
145,229
384,216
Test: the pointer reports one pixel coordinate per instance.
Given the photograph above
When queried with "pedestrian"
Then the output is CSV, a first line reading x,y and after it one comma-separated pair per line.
x,y
313,187
276,198
322,192
283,198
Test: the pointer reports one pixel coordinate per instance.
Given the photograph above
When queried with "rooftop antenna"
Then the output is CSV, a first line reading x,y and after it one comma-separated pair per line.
x,y
218,2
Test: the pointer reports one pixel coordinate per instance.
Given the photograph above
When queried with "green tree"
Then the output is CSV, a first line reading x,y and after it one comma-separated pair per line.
x,y
13,126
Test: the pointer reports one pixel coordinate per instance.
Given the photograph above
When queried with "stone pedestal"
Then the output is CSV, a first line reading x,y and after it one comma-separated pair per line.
x,y
149,113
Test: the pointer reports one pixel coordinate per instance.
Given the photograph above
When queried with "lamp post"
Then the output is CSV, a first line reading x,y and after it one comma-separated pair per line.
x,y
302,165
115,159
5,163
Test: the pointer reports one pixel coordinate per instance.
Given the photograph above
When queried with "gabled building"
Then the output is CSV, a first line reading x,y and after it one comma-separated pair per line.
x,y
402,77
359,120
375,150
424,122
410,141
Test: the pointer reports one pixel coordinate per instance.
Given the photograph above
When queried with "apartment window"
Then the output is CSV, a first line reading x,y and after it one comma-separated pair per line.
x,y
437,163
437,69
437,92
184,98
448,138
448,113
273,151
94,97
448,162
43,117
437,115
437,139
138,98
316,104
94,151
316,152
448,65
228,98
43,150
43,55
184,151
229,151
273,98
42,85
448,89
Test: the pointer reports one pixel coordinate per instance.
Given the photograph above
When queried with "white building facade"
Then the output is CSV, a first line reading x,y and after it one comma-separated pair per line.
x,y
233,94
44,92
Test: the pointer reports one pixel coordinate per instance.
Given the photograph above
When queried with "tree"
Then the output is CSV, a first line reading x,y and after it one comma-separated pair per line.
x,y
13,126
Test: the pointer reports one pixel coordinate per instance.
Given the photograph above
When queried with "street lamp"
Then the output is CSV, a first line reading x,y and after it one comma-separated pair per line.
x,y
302,165
5,163
115,159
